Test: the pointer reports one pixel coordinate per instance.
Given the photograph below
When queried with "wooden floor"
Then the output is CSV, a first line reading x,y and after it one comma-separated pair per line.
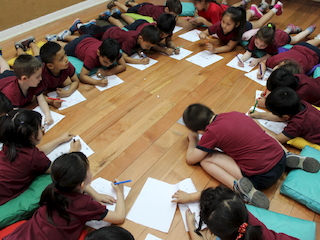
x,y
133,127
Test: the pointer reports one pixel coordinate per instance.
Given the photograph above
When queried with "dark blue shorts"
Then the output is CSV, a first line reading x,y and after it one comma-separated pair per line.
x,y
135,8
71,46
135,24
313,48
6,73
267,179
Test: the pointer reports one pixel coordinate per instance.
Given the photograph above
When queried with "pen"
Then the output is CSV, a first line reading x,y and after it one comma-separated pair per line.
x,y
239,59
51,98
264,93
143,55
255,105
178,48
116,183
260,69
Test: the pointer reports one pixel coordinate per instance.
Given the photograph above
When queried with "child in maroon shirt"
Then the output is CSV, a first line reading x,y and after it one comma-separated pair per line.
x,y
64,208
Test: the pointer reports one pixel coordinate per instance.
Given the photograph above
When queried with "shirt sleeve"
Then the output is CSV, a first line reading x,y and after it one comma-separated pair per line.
x,y
214,28
40,162
93,210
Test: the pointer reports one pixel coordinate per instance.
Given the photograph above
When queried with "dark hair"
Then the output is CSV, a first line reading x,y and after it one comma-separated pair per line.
x,y
26,65
224,212
267,33
17,129
174,6
283,101
282,77
197,117
48,51
110,48
5,104
110,233
166,23
151,34
237,15
292,65
67,172
206,1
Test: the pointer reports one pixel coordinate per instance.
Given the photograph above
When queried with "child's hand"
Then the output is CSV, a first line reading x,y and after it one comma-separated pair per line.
x,y
203,36
177,50
210,47
197,20
48,120
261,102
240,64
56,103
254,62
62,92
118,188
254,114
144,61
75,146
260,76
103,82
193,135
66,137
169,51
181,197
103,198
190,217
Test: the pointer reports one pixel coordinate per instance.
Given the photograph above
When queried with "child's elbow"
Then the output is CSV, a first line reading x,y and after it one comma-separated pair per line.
x,y
119,220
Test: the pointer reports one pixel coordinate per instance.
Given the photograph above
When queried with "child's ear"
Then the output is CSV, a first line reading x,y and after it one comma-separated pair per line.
x,y
50,65
166,10
140,38
82,185
98,52
23,78
286,117
237,24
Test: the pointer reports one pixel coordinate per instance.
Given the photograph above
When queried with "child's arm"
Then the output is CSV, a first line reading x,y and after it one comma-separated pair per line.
x,y
184,197
191,225
170,44
226,48
73,86
256,61
244,58
102,198
45,109
165,50
116,69
263,69
65,137
194,155
200,21
281,138
204,34
85,78
266,115
119,215
135,61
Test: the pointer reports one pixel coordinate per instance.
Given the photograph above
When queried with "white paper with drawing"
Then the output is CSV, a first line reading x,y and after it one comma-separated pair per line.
x,y
253,76
152,237
113,80
104,186
234,63
204,58
65,147
75,98
191,36
57,117
142,66
183,53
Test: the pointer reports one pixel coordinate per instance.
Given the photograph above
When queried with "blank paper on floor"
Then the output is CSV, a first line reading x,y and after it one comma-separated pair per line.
x,y
204,58
113,81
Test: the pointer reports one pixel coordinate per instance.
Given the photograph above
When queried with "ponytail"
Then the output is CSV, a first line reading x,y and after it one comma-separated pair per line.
x,y
67,172
17,128
238,16
267,33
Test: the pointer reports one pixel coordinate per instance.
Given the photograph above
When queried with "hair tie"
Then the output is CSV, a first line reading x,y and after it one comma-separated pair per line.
x,y
22,122
242,230
269,25
7,115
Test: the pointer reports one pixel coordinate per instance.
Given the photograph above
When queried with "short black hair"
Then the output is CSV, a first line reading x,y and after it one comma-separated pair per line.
x,y
110,48
110,233
26,65
48,51
5,104
151,34
174,6
166,23
283,101
282,77
197,117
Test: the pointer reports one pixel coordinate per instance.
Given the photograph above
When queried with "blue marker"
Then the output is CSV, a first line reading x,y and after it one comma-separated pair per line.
x,y
117,183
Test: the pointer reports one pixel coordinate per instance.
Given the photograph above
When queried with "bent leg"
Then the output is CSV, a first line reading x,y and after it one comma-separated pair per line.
x,y
263,20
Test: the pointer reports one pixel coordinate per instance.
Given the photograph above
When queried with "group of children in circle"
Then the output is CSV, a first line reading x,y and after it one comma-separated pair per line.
x,y
99,47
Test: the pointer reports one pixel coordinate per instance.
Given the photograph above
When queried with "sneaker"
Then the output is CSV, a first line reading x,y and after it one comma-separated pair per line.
x,y
0,51
311,28
116,13
74,27
279,7
25,43
294,29
105,15
129,1
51,37
307,164
317,37
245,189
91,22
63,34
111,4
263,7
256,11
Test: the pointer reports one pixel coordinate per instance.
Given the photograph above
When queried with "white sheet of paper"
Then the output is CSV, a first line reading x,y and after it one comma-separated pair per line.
x,y
258,94
176,29
276,127
191,36
142,66
180,121
152,237
253,76
204,58
57,117
234,64
65,147
183,53
75,98
153,207
113,80
103,186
